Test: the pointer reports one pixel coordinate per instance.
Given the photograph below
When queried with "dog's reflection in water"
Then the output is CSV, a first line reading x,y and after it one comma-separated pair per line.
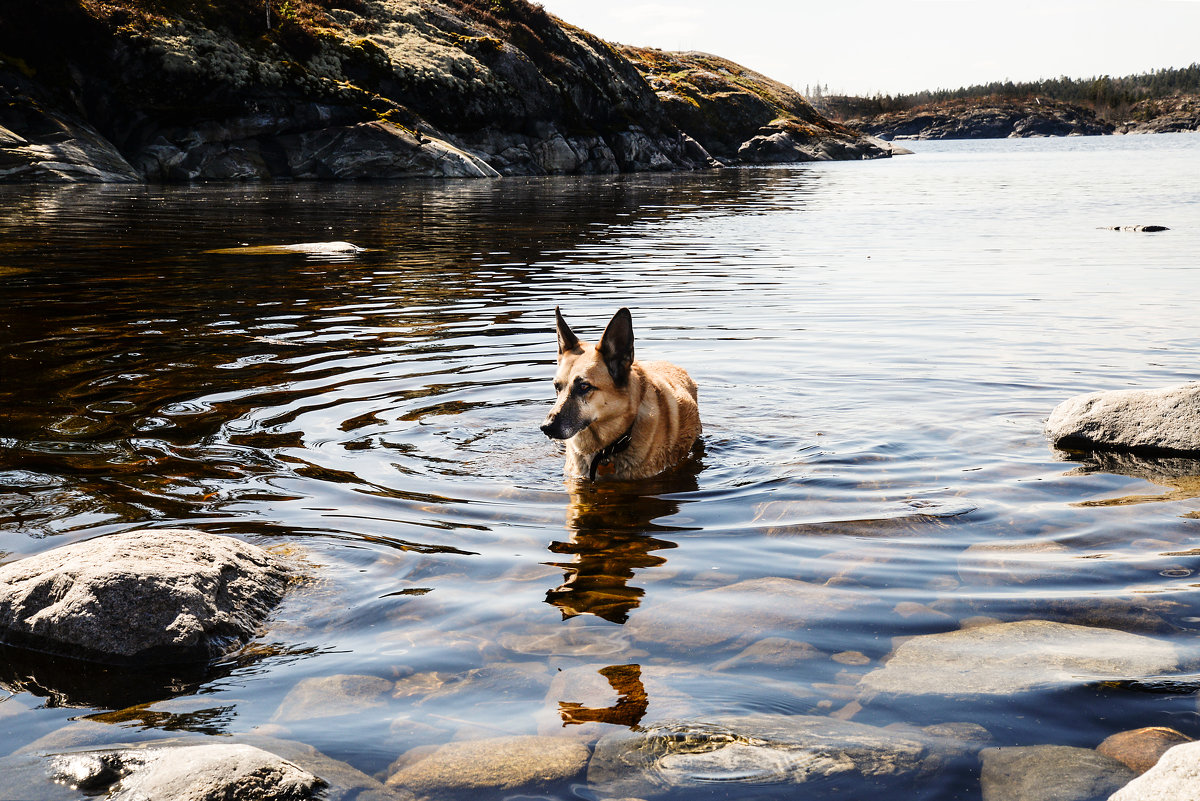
x,y
615,531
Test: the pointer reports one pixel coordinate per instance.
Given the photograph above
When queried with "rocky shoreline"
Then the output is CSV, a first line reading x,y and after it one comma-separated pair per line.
x,y
362,89
1035,117
81,609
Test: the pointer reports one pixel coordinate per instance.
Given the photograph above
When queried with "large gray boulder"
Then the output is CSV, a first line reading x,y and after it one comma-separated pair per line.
x,y
1024,656
1155,420
756,752
1176,777
156,596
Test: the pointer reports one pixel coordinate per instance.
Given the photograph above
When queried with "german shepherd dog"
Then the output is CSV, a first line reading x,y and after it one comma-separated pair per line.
x,y
621,418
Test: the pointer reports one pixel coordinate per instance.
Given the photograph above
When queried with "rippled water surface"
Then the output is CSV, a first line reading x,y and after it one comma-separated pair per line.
x,y
877,346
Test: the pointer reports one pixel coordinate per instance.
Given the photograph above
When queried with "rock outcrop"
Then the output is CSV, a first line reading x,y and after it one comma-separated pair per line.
x,y
332,89
975,119
1164,115
140,598
741,116
1163,420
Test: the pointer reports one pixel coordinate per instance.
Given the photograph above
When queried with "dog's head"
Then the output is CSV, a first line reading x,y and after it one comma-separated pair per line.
x,y
592,381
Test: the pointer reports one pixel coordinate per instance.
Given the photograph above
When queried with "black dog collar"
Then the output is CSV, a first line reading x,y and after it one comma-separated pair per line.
x,y
604,455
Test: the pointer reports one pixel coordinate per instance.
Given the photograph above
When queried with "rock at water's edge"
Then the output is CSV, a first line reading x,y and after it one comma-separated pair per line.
x,y
1174,778
1156,420
155,596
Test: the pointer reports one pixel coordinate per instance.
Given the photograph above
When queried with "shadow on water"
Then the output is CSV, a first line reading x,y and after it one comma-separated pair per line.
x,y
70,683
1180,475
614,533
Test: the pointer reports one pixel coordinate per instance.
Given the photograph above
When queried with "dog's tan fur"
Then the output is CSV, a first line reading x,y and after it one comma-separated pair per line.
x,y
604,393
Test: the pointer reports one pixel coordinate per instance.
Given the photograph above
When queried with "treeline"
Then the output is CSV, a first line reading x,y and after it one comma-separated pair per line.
x,y
1106,95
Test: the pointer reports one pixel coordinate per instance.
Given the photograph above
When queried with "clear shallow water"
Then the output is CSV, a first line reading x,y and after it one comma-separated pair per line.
x,y
877,345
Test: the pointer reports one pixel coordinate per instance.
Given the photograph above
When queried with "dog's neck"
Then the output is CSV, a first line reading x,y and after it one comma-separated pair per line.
x,y
605,455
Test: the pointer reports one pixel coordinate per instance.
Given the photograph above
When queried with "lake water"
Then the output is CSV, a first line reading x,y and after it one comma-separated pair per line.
x,y
877,345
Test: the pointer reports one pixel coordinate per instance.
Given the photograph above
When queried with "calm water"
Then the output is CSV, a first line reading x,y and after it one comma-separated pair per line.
x,y
877,345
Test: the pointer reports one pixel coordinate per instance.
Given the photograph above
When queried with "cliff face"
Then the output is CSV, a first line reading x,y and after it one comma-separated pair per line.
x,y
176,90
741,116
983,119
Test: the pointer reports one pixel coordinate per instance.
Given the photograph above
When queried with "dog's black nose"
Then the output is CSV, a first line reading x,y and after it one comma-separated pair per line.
x,y
547,429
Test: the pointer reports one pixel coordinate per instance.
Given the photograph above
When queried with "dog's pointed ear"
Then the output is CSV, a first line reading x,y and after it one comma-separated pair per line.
x,y
616,346
567,341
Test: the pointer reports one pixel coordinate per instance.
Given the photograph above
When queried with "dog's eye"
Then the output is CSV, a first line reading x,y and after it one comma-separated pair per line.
x,y
583,388
558,386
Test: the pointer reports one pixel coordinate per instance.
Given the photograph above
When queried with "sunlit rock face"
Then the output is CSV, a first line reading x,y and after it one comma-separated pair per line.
x,y
371,89
157,596
1165,420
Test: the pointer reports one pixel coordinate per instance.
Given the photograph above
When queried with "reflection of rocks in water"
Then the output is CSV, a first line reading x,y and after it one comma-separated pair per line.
x,y
65,682
611,528
1180,474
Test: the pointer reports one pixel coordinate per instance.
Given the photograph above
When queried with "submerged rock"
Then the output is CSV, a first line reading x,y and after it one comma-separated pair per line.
x,y
1010,658
1174,778
741,613
1156,420
156,596
485,768
1049,773
1140,749
332,696
790,752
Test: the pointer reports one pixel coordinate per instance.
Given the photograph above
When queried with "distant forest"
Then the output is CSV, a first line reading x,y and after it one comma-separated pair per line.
x,y
1108,96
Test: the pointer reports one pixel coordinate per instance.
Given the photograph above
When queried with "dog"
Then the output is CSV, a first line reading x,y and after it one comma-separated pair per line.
x,y
620,418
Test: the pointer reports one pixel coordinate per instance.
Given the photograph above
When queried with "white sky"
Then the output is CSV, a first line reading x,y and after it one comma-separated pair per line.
x,y
891,46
